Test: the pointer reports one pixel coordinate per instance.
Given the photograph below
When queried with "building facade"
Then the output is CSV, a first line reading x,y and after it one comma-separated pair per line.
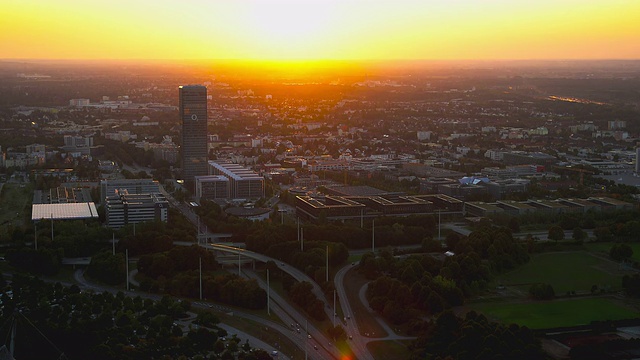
x,y
243,183
132,186
212,187
193,115
123,209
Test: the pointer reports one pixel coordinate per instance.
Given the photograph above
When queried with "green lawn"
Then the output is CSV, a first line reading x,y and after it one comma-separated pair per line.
x,y
605,247
565,271
389,349
14,204
549,314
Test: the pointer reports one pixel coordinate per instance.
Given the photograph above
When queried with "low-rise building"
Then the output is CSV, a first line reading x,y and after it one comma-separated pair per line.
x,y
212,187
123,209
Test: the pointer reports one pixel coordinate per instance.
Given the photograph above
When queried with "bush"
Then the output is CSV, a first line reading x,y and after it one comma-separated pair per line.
x,y
620,252
542,291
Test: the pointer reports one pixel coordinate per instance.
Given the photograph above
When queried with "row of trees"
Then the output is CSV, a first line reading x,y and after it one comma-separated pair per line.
x,y
177,260
405,288
474,337
301,294
85,325
225,288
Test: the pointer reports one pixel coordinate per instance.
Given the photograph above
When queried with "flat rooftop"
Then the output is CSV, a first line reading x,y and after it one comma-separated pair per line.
x,y
68,211
356,191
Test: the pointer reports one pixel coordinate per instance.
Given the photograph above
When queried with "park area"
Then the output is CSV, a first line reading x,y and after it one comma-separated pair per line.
x,y
557,313
603,248
570,271
15,201
586,284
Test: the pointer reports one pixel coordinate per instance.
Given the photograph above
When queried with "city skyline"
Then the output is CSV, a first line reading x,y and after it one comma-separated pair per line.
x,y
310,29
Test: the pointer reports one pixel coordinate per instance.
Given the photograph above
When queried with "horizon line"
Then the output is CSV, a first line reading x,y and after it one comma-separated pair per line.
x,y
321,59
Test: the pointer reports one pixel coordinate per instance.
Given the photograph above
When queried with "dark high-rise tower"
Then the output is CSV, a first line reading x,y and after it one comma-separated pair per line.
x,y
193,113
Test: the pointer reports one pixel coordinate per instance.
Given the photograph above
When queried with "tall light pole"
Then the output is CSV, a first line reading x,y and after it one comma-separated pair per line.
x,y
373,236
306,329
268,295
439,225
334,308
327,263
126,263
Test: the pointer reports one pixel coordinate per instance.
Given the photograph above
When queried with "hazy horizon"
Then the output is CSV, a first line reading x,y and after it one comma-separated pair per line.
x,y
318,30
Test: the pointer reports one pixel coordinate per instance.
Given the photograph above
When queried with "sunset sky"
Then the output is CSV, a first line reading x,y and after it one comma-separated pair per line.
x,y
320,29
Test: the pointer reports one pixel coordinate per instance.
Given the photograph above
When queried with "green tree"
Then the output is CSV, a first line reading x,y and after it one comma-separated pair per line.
x,y
621,252
556,233
542,291
579,234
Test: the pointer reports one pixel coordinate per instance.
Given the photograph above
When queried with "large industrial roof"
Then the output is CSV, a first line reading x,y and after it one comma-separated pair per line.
x,y
67,211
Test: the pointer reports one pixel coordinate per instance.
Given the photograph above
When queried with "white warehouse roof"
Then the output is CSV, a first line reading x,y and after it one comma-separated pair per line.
x,y
63,211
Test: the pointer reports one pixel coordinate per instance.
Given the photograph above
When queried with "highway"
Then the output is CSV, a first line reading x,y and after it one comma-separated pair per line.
x,y
289,315
295,273
358,343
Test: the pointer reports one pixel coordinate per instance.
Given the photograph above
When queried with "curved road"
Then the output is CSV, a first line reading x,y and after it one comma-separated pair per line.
x,y
295,273
290,315
86,285
358,343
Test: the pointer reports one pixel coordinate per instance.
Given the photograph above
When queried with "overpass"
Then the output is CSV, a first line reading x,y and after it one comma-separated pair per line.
x,y
295,273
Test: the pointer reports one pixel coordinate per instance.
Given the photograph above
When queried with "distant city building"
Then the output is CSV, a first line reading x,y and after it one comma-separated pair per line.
x,y
62,195
525,158
78,144
35,148
243,183
357,207
193,114
132,186
558,206
123,209
249,213
79,102
212,187
638,160
424,135
616,124
107,166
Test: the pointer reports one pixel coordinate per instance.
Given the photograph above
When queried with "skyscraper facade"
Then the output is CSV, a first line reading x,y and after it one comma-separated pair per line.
x,y
193,113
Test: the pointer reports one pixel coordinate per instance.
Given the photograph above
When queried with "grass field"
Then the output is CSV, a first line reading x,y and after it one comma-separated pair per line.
x,y
604,248
549,314
565,271
14,202
389,349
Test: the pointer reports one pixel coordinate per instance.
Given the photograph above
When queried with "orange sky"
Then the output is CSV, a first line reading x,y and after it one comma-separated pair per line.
x,y
320,29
